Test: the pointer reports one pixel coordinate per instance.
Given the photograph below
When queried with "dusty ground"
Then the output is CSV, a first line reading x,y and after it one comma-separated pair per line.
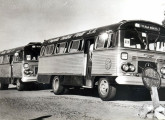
x,y
44,105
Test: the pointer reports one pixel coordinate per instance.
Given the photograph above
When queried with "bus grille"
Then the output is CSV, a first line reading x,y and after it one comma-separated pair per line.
x,y
144,64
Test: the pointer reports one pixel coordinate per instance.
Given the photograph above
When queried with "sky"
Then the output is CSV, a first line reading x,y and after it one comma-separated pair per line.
x,y
24,21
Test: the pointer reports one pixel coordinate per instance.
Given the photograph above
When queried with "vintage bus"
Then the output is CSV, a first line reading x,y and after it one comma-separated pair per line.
x,y
19,66
105,57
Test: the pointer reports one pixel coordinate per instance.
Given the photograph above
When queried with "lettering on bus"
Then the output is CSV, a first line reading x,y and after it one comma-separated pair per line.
x,y
92,31
148,27
66,37
54,40
79,34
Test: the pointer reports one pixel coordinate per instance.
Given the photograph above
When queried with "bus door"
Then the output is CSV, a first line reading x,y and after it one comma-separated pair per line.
x,y
89,52
11,65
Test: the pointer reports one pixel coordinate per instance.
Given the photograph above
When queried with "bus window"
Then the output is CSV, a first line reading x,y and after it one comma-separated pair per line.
x,y
6,59
81,45
28,57
42,51
102,41
133,39
156,42
142,40
65,49
61,48
18,56
49,49
74,45
1,59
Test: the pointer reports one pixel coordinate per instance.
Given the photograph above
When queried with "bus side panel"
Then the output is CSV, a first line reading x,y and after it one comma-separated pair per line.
x,y
5,71
104,62
17,70
68,64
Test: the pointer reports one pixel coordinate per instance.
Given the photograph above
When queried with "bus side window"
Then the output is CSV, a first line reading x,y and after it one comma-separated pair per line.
x,y
1,59
49,49
66,48
102,41
61,48
81,45
42,51
74,45
16,57
6,59
57,48
110,40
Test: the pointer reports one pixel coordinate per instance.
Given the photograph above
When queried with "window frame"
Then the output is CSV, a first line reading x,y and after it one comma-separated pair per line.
x,y
42,51
109,42
58,48
71,45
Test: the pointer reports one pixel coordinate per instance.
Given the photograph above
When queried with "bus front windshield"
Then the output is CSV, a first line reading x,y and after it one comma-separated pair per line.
x,y
31,53
142,40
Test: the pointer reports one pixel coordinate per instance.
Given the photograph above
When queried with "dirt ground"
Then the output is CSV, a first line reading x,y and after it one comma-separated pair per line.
x,y
44,105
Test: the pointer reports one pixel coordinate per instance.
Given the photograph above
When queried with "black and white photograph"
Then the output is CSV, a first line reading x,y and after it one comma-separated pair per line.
x,y
82,60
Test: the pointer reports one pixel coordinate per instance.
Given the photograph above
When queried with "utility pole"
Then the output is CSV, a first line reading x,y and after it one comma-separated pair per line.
x,y
163,22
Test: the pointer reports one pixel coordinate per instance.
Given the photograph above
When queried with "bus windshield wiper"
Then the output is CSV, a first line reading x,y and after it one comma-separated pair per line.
x,y
138,35
157,37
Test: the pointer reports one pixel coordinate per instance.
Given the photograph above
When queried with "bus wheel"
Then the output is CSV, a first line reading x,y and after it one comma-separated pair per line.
x,y
105,90
20,85
56,86
3,86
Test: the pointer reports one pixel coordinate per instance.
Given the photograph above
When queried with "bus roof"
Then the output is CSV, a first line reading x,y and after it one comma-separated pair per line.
x,y
131,24
13,50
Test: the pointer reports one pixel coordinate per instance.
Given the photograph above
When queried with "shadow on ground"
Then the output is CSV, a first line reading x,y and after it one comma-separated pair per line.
x,y
123,93
41,118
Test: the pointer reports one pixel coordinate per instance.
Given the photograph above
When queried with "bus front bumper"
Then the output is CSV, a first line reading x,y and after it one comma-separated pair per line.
x,y
29,79
133,80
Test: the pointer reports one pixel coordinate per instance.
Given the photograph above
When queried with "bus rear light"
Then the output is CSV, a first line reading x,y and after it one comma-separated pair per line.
x,y
162,70
124,55
128,67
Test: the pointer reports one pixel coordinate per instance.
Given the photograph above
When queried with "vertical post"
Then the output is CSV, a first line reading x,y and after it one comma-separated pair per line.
x,y
155,97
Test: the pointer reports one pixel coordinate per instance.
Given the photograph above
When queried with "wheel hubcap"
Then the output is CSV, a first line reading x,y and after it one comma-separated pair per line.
x,y
55,83
104,87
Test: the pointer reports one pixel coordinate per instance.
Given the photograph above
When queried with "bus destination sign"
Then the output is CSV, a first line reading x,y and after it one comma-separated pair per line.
x,y
148,27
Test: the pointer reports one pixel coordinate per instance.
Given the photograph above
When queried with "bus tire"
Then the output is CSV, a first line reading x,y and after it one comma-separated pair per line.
x,y
56,86
19,85
105,90
3,86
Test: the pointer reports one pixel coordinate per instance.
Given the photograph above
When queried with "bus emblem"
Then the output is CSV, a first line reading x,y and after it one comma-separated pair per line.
x,y
108,64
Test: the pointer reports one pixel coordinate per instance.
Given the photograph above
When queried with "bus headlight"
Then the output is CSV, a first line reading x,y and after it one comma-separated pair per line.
x,y
125,67
131,68
128,67
162,70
